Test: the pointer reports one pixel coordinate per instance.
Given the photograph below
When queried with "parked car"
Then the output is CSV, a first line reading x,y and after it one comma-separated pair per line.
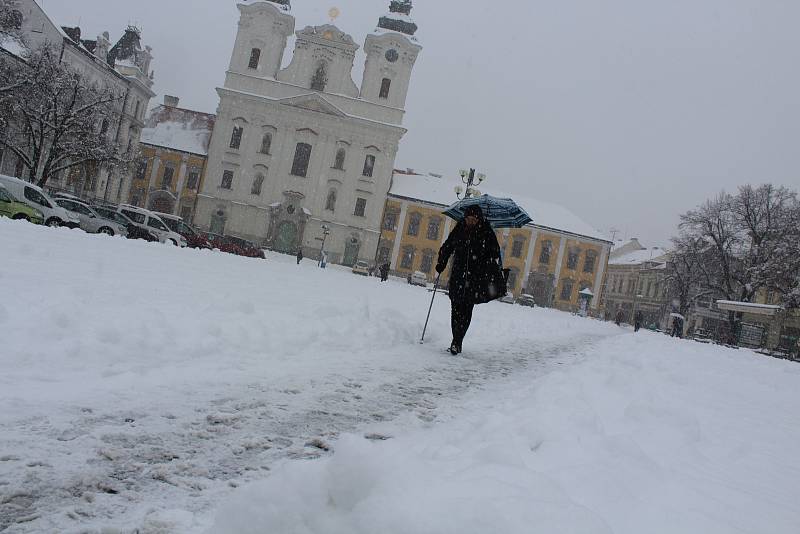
x,y
132,230
526,300
361,267
418,279
13,209
234,245
152,223
179,226
35,197
90,221
508,299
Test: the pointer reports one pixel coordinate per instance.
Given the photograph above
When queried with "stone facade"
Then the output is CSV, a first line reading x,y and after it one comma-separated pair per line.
x,y
124,67
300,147
172,167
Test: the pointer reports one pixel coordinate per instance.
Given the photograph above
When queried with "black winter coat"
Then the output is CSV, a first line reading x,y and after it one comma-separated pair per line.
x,y
476,263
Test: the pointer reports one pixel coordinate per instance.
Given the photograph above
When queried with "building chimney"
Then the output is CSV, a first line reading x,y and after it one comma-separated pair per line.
x,y
171,101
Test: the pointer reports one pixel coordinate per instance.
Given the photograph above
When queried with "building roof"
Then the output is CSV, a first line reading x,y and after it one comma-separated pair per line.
x,y
438,190
179,129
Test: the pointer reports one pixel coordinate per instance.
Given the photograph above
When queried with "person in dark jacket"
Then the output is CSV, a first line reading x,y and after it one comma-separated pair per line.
x,y
639,319
619,317
384,272
473,277
299,255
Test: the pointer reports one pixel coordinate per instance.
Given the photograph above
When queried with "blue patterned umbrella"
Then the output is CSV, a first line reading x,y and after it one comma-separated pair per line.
x,y
500,212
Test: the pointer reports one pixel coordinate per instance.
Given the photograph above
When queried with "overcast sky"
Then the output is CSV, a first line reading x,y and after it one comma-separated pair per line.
x,y
628,112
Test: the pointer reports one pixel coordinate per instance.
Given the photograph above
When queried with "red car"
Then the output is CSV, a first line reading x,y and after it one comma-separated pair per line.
x,y
193,238
234,245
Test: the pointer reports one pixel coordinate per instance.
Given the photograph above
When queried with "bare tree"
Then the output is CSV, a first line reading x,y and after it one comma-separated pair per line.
x,y
684,274
56,118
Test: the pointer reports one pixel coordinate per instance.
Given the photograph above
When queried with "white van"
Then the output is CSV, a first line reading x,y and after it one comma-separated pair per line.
x,y
152,223
34,196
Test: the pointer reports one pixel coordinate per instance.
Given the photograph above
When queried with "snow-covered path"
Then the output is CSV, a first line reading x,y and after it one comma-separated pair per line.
x,y
139,378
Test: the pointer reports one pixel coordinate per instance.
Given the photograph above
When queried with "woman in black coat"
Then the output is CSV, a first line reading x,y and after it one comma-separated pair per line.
x,y
474,276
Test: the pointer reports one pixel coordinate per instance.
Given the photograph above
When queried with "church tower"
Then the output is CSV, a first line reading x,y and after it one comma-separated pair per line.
x,y
264,27
392,51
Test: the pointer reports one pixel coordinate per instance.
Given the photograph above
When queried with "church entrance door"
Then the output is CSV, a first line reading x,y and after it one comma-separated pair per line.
x,y
351,252
286,241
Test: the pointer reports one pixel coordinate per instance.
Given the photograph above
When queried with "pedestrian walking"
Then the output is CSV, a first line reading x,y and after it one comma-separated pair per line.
x,y
384,272
476,275
299,255
677,327
619,317
638,320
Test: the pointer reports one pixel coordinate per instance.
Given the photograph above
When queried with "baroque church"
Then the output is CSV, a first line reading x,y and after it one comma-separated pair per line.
x,y
300,149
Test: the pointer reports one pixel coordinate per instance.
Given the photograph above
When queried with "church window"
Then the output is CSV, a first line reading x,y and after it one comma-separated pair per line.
x,y
566,290
330,203
236,137
386,84
194,178
407,261
227,180
427,261
339,162
516,247
572,259
390,221
369,165
255,57
413,224
166,180
266,143
302,155
544,256
588,263
320,78
433,229
361,207
258,181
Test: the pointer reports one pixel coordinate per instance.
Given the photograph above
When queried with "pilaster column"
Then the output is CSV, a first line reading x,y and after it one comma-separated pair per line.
x,y
529,258
398,235
598,283
562,244
179,187
153,177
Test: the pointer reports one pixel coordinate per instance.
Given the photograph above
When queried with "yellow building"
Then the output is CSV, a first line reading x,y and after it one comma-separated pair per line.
x,y
552,259
174,150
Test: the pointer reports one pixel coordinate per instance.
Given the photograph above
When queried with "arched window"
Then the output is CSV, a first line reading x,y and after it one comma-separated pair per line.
x,y
227,180
369,165
266,143
433,229
427,261
361,207
339,162
258,181
330,203
516,247
255,57
236,136
407,260
566,289
572,258
320,78
302,155
386,84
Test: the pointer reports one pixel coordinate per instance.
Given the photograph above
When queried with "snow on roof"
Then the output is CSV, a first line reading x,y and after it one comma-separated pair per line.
x,y
439,190
640,256
179,129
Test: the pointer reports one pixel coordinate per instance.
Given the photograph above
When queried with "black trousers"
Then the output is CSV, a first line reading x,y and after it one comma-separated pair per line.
x,y
460,318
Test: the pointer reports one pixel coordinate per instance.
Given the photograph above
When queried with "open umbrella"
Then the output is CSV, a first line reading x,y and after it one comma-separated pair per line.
x,y
500,212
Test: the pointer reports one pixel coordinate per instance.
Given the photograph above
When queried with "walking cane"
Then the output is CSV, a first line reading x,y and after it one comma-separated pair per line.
x,y
435,287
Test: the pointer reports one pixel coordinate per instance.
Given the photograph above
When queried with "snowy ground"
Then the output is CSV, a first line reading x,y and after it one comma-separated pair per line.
x,y
150,389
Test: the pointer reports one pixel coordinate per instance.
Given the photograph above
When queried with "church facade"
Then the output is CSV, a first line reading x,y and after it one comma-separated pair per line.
x,y
300,149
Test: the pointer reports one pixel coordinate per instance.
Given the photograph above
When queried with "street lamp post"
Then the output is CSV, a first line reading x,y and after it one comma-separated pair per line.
x,y
471,179
325,233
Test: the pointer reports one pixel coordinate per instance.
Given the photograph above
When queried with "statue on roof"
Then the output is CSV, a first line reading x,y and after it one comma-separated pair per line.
x,y
398,18
401,6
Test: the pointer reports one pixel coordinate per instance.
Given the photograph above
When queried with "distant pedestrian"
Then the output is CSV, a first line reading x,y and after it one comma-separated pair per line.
x,y
619,317
677,327
475,270
638,320
384,272
299,255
